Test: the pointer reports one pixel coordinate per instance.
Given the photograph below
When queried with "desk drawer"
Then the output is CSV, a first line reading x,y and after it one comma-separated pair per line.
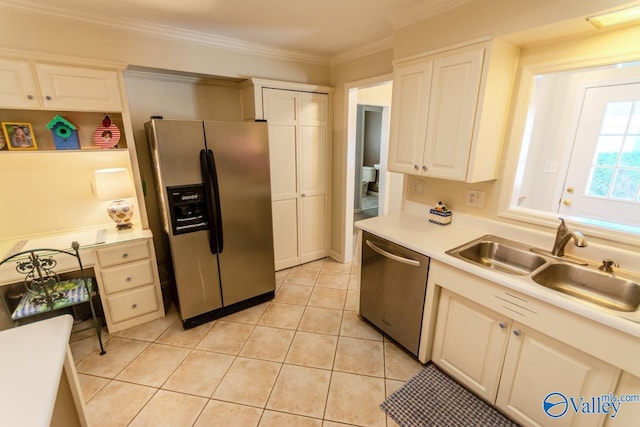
x,y
127,276
120,254
132,304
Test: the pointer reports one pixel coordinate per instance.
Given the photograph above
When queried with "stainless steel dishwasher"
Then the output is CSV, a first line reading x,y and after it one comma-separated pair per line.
x,y
393,286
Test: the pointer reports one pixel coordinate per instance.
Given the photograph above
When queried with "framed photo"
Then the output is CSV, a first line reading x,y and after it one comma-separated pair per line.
x,y
19,136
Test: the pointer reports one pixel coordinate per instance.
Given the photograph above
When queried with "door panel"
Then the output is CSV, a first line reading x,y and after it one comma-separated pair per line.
x,y
240,151
313,227
313,160
313,109
177,148
282,155
17,84
285,233
411,86
280,106
452,105
196,273
603,179
462,325
78,88
536,365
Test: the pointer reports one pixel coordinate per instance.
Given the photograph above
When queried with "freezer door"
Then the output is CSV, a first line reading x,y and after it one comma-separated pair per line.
x,y
195,270
176,147
241,154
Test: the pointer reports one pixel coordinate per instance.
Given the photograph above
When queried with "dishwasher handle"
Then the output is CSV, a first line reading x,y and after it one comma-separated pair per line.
x,y
394,257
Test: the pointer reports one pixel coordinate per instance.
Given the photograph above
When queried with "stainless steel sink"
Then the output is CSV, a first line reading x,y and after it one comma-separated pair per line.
x,y
603,289
499,254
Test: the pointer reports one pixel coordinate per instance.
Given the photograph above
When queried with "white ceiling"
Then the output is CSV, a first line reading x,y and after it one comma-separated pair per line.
x,y
318,28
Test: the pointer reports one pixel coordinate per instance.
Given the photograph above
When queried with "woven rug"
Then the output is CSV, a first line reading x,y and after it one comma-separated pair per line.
x,y
433,399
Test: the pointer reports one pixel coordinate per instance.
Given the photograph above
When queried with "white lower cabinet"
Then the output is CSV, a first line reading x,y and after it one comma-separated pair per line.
x,y
536,365
470,342
129,284
515,367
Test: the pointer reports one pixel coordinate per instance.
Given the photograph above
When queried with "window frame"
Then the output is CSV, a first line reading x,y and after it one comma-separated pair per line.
x,y
522,95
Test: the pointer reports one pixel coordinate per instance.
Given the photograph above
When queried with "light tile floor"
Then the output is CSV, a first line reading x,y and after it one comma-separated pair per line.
x,y
303,359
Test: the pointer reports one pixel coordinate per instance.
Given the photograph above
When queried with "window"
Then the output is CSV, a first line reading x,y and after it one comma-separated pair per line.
x,y
580,152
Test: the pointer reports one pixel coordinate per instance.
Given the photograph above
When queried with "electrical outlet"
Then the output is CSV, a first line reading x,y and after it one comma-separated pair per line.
x,y
475,198
418,187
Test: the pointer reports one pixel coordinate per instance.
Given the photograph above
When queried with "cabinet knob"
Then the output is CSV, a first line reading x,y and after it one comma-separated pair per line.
x,y
134,305
502,325
517,332
128,279
125,255
566,202
48,98
424,168
29,97
303,195
416,167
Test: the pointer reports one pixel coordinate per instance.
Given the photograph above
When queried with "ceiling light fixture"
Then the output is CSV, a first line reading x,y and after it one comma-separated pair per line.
x,y
615,17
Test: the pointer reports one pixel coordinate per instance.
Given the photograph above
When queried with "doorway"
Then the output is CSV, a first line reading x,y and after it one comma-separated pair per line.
x,y
374,97
367,183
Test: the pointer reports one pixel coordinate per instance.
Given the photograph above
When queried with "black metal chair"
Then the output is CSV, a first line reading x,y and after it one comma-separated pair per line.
x,y
45,291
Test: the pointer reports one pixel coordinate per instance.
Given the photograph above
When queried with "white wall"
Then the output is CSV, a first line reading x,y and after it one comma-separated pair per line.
x,y
64,36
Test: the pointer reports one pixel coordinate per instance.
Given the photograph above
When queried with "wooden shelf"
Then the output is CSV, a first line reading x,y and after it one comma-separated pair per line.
x,y
86,122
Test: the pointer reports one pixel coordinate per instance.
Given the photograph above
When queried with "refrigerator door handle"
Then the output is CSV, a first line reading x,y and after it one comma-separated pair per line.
x,y
216,200
211,214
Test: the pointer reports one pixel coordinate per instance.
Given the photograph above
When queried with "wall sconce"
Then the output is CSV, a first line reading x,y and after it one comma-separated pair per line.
x,y
116,185
615,17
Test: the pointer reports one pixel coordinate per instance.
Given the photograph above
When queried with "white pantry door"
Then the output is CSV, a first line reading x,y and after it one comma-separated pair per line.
x,y
298,152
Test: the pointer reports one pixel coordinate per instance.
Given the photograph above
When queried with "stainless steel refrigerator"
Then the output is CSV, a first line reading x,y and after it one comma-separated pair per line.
x,y
213,183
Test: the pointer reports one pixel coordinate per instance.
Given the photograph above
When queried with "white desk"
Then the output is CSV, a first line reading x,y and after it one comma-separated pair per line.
x,y
124,262
40,384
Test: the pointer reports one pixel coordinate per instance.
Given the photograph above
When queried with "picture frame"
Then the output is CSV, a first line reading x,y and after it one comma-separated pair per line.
x,y
19,136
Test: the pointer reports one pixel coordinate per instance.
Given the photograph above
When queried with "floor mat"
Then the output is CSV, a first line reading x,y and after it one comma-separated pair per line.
x,y
434,399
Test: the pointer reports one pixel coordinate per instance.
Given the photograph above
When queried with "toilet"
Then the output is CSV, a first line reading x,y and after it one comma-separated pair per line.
x,y
368,175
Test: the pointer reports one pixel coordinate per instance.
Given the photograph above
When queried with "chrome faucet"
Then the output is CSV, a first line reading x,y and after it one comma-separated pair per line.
x,y
563,235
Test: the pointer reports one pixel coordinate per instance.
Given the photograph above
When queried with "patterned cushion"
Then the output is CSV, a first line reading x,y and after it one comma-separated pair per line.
x,y
63,294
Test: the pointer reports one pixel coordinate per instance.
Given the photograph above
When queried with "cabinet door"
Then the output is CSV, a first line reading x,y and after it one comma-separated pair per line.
x,y
451,114
281,111
70,88
313,157
469,343
537,365
298,150
629,412
17,87
411,85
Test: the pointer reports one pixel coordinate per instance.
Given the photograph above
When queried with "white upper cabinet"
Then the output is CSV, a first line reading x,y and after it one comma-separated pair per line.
x,y
411,86
17,86
54,87
449,112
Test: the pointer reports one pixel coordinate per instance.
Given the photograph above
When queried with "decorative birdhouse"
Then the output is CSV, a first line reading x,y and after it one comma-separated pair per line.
x,y
65,133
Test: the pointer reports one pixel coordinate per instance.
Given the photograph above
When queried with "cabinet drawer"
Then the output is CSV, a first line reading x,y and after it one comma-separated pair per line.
x,y
127,276
123,253
132,304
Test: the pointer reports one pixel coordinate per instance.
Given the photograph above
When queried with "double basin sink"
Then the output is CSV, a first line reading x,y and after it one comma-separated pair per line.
x,y
588,283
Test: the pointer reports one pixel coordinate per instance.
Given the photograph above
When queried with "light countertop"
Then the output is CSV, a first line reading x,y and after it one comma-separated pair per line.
x,y
413,230
32,357
89,239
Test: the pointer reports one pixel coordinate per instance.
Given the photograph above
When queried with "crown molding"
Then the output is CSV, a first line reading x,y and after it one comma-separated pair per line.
x,y
424,10
363,50
164,31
